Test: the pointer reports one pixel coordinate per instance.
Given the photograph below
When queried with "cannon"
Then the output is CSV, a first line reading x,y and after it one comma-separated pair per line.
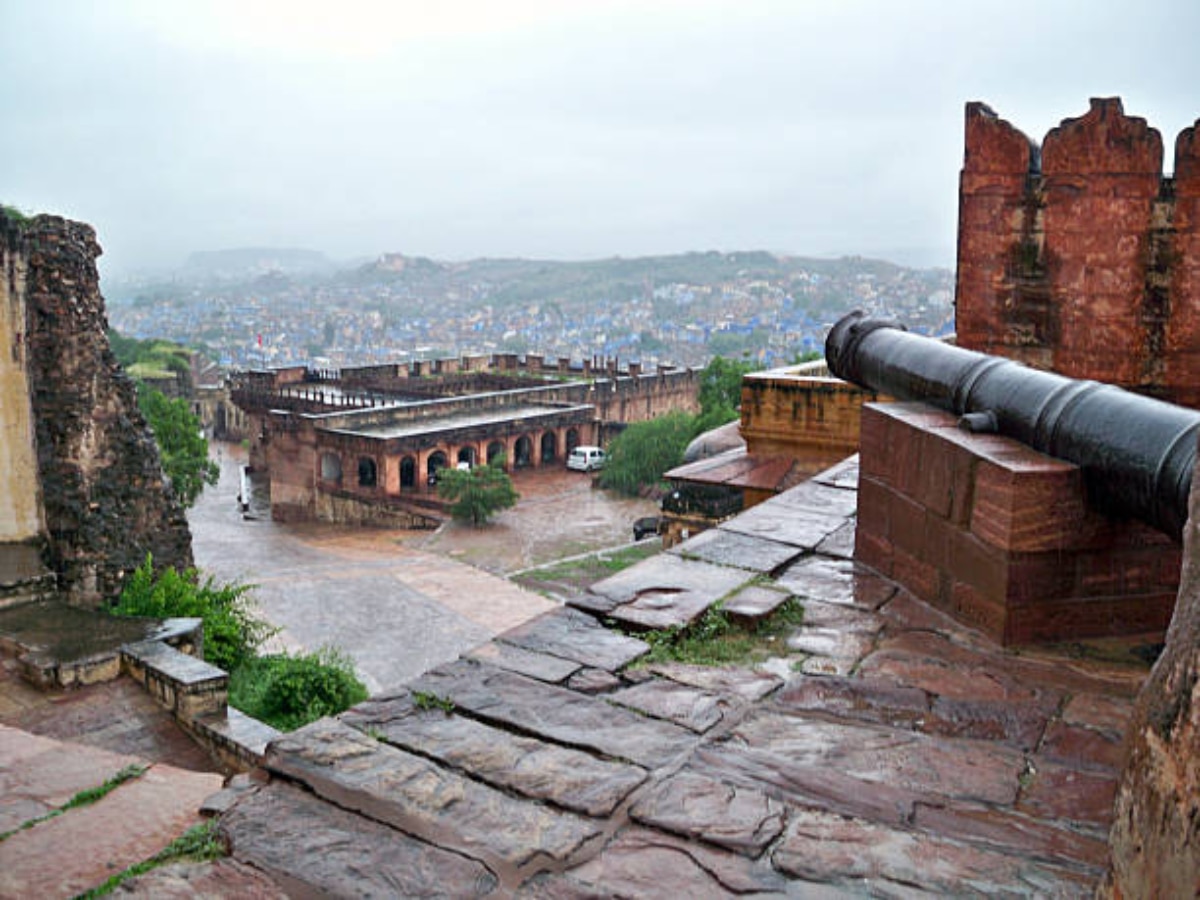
x,y
1136,453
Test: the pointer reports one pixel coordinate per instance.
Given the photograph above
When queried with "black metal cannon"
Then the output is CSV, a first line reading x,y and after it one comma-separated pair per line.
x,y
1136,453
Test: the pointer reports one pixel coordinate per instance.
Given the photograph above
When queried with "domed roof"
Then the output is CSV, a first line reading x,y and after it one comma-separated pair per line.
x,y
720,440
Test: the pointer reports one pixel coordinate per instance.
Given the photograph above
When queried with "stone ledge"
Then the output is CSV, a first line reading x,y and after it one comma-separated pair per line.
x,y
187,686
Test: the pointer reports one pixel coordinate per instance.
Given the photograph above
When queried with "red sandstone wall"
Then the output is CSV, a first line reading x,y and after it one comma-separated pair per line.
x,y
1182,363
1101,175
1080,257
993,225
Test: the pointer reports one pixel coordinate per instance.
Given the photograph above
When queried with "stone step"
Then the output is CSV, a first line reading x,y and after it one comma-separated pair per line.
x,y
82,847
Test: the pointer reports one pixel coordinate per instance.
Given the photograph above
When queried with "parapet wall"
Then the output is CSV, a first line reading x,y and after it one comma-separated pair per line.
x,y
105,503
1079,255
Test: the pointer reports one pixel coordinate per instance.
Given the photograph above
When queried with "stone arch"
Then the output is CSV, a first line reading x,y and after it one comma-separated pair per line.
x,y
572,440
549,447
468,454
408,472
368,472
495,450
331,468
523,452
437,460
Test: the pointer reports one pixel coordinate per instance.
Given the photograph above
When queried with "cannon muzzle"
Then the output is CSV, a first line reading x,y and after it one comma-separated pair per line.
x,y
1136,453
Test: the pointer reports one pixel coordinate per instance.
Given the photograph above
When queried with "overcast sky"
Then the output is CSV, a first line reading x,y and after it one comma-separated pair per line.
x,y
549,129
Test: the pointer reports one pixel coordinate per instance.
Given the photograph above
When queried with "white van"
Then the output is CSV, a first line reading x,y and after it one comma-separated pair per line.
x,y
584,459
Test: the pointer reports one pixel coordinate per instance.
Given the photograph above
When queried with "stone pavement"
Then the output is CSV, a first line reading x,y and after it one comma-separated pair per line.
x,y
396,610
895,754
82,847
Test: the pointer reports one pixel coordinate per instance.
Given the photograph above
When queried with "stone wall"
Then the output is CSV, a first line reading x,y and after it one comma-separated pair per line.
x,y
105,503
1155,841
1003,537
1078,255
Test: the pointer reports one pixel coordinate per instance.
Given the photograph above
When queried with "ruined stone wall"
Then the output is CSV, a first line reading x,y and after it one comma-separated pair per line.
x,y
1079,256
1155,839
104,498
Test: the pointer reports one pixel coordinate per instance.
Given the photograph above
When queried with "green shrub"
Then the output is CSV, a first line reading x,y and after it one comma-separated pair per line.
x,y
289,691
639,455
232,631
476,493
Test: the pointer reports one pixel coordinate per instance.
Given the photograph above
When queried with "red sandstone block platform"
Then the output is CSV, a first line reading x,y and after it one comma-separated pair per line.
x,y
1002,536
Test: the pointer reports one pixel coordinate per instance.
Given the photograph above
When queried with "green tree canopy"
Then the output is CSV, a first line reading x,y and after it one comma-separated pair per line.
x,y
477,494
640,454
181,444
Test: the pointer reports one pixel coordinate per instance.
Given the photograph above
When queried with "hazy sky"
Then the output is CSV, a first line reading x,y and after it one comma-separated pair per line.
x,y
549,129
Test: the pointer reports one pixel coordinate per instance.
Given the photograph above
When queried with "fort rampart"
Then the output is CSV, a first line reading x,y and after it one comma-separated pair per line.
x,y
1080,255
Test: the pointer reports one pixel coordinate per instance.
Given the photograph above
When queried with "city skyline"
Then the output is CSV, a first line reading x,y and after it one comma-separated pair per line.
x,y
549,130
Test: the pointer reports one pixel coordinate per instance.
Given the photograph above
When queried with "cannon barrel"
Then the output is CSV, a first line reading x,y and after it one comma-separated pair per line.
x,y
1136,453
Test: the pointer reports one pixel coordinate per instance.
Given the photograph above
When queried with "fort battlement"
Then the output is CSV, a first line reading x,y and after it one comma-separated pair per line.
x,y
1079,255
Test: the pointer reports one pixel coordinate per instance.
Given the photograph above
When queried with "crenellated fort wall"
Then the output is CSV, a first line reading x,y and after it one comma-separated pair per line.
x,y
1079,255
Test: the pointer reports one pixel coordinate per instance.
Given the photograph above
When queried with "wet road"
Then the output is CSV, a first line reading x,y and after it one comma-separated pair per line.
x,y
399,602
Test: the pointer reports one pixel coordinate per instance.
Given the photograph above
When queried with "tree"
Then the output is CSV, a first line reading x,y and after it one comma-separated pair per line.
x,y
181,444
721,392
640,454
477,493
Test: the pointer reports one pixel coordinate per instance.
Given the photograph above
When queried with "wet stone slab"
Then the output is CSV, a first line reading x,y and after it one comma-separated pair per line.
x,y
359,773
837,581
867,700
1016,833
828,848
666,590
644,863
755,602
849,619
728,548
785,524
844,475
695,709
692,805
832,643
840,543
816,498
946,767
556,714
542,666
311,847
576,636
746,684
569,778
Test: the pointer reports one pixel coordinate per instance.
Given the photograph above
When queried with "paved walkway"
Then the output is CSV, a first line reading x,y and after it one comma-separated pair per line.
x,y
62,855
898,754
395,609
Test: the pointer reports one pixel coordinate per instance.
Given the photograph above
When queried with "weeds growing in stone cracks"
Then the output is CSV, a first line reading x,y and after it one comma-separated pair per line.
x,y
198,844
715,639
427,700
84,798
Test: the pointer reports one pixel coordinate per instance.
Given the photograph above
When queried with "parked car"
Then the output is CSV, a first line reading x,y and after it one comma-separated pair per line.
x,y
645,526
586,458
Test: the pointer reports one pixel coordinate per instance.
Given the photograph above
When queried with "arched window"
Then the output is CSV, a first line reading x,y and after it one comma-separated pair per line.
x,y
331,468
549,446
495,452
572,439
408,472
523,452
437,460
368,474
466,455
